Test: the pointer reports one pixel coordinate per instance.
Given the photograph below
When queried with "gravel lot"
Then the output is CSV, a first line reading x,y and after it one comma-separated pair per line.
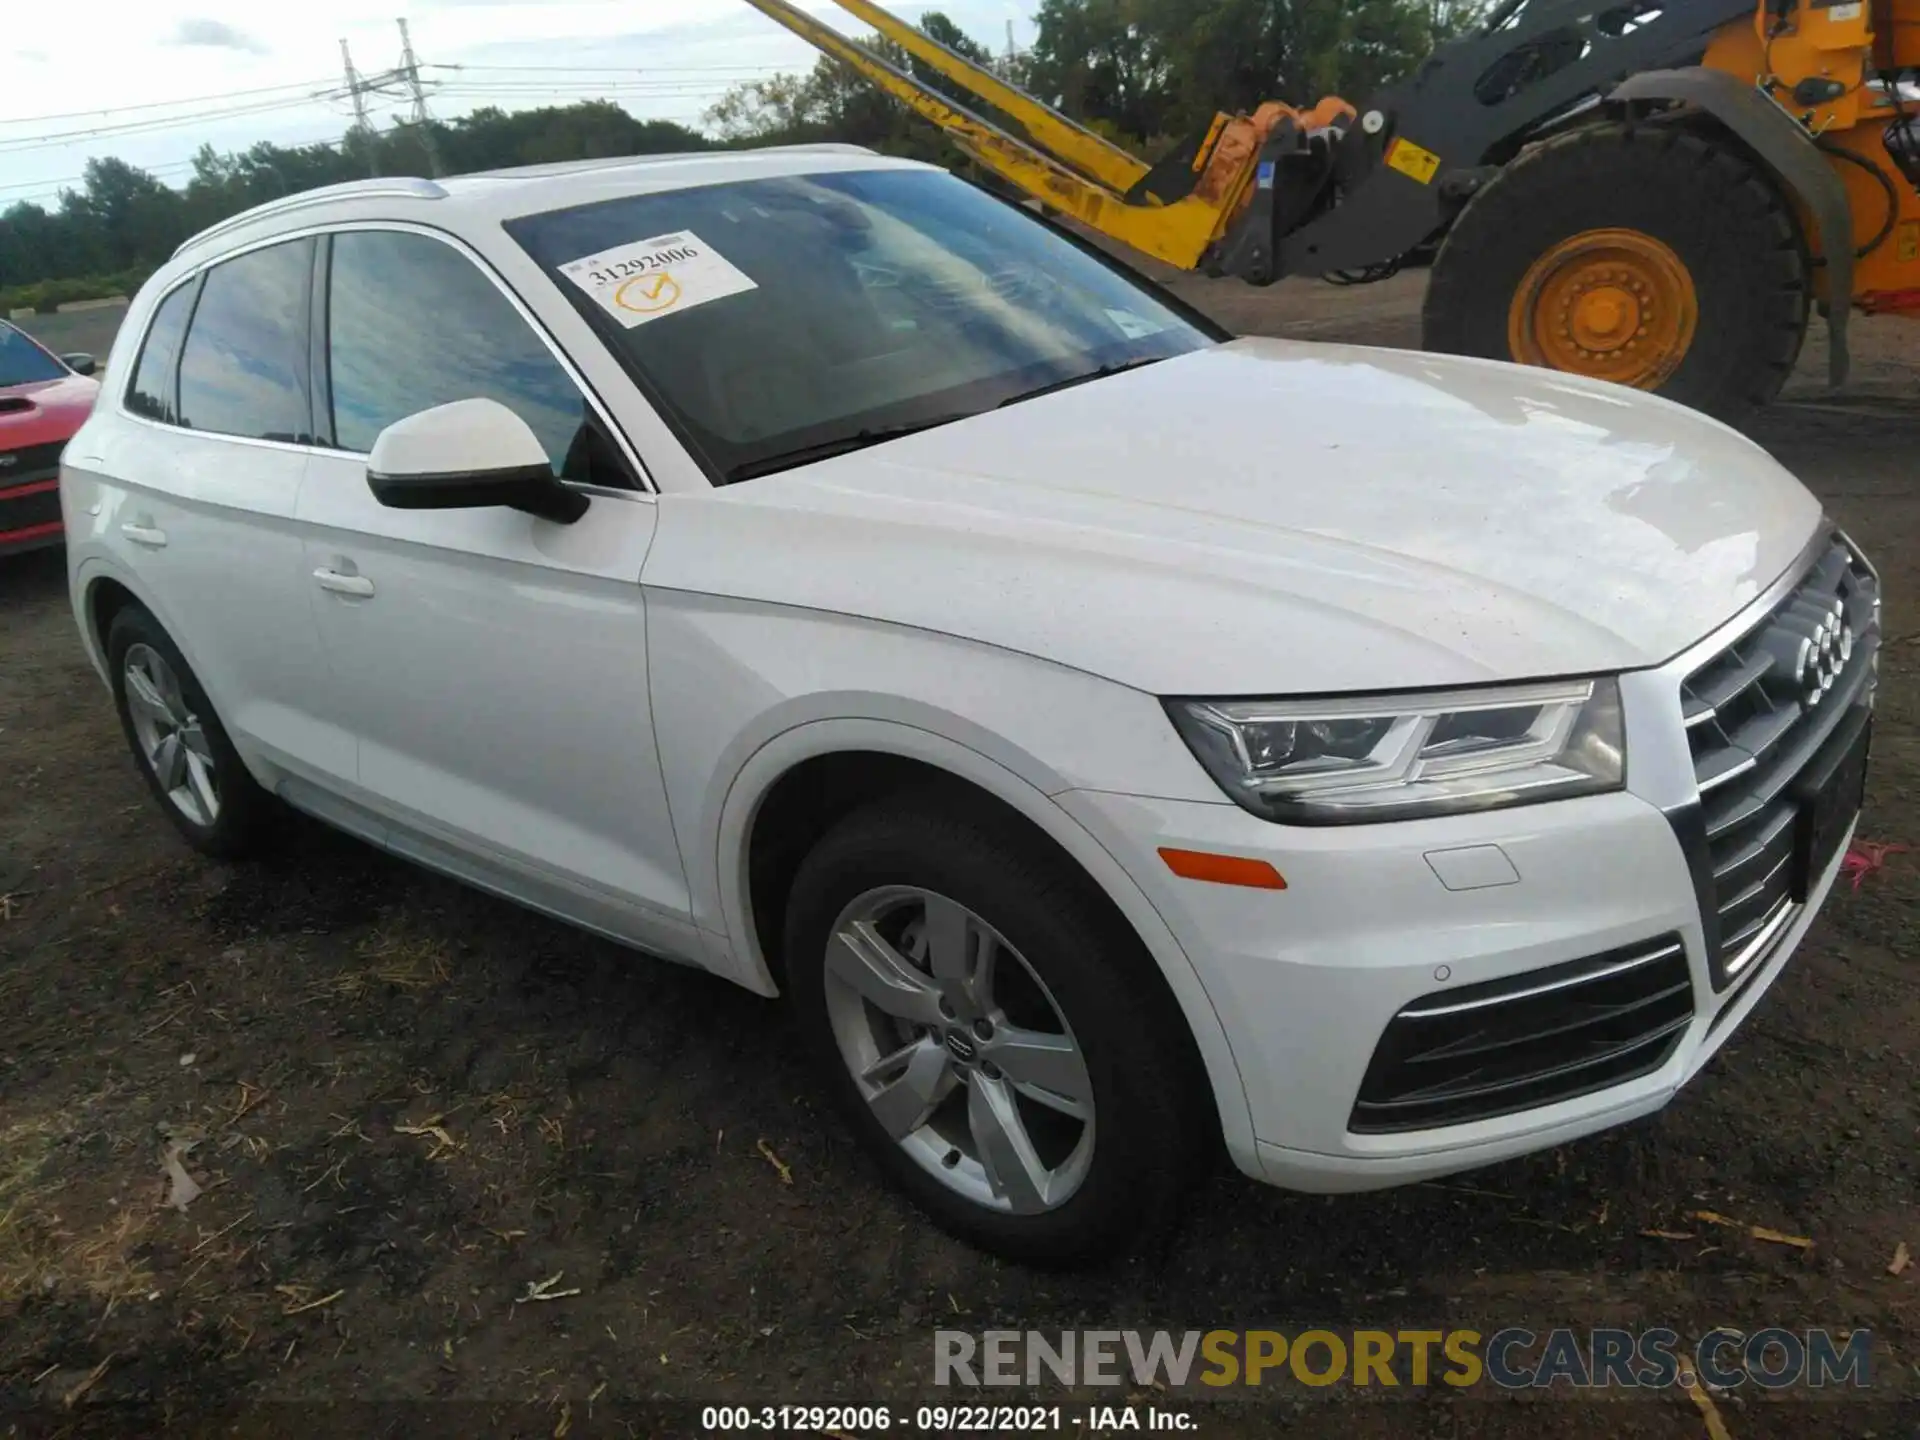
x,y
414,1101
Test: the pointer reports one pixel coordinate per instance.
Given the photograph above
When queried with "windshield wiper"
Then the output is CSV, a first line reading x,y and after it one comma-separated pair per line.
x,y
839,445
1100,372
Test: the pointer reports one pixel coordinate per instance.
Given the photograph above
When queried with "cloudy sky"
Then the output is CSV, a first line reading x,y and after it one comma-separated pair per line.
x,y
76,74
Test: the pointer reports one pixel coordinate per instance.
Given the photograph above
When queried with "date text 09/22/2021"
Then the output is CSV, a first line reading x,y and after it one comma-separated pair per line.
x,y
944,1419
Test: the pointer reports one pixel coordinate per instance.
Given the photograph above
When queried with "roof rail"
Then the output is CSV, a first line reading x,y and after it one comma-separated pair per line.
x,y
541,169
396,187
546,168
819,147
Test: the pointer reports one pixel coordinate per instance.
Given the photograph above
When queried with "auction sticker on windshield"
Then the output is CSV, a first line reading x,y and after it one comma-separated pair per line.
x,y
649,278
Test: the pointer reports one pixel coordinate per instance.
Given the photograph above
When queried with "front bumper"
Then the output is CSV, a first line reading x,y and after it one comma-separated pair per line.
x,y
29,516
1377,919
30,498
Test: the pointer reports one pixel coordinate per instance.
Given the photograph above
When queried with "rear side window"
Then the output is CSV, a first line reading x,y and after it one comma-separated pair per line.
x,y
412,323
244,369
152,392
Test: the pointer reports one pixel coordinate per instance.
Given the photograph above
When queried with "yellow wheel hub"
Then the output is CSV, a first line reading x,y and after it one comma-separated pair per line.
x,y
1614,304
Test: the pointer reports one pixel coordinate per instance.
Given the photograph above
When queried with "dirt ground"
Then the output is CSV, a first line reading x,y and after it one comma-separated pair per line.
x,y
413,1103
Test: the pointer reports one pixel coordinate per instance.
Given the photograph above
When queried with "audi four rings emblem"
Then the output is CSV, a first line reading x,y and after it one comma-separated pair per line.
x,y
1825,644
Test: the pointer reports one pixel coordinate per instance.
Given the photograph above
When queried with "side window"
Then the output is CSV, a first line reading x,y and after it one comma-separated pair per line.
x,y
244,369
412,323
151,393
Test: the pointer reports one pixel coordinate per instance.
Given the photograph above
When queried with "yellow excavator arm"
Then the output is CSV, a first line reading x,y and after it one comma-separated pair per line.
x,y
1090,154
1062,164
1483,160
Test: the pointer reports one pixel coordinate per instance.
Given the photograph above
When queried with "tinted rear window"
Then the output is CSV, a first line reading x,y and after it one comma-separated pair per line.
x,y
244,369
152,392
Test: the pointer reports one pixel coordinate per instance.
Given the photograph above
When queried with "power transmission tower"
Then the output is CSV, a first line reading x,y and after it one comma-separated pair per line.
x,y
410,72
357,91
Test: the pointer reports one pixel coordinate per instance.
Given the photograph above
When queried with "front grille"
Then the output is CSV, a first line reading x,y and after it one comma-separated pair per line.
x,y
27,512
1531,1039
31,462
1757,714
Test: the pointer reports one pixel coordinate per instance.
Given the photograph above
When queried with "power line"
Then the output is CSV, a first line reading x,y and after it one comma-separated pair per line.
x,y
616,69
319,91
53,186
139,127
629,87
162,104
493,90
585,91
624,81
632,88
630,103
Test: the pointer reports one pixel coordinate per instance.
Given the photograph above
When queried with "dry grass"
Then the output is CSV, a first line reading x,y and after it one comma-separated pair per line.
x,y
39,1248
394,958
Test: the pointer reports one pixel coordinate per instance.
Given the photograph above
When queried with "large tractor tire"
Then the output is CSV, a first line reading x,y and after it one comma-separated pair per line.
x,y
1651,256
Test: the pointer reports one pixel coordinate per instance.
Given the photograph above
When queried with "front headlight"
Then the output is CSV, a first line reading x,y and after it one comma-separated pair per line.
x,y
1398,757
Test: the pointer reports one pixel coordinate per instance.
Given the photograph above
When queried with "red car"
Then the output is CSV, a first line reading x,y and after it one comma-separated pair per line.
x,y
44,398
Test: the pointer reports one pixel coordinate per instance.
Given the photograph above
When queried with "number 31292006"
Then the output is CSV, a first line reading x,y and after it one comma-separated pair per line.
x,y
618,270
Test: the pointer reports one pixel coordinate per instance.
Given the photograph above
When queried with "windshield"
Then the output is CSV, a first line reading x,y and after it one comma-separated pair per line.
x,y
23,362
780,321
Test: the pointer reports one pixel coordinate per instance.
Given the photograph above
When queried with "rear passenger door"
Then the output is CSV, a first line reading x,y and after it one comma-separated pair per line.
x,y
493,664
207,517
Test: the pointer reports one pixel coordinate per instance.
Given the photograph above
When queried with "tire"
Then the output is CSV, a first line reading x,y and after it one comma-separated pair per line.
x,y
213,801
1112,1183
1694,194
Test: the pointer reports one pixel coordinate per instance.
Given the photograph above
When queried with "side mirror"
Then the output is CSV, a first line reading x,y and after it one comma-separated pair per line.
x,y
468,455
79,362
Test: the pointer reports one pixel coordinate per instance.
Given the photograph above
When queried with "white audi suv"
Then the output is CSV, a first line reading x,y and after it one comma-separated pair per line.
x,y
1113,739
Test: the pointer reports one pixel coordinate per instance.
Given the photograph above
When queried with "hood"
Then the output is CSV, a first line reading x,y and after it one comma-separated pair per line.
x,y
1281,518
43,411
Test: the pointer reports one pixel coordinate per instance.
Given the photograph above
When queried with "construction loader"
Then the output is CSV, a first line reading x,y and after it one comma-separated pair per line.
x,y
1654,194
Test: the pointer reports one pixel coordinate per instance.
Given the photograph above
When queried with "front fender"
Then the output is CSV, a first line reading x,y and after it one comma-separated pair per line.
x,y
824,737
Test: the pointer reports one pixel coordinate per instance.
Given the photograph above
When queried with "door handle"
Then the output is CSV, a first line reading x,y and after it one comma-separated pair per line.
x,y
344,584
145,535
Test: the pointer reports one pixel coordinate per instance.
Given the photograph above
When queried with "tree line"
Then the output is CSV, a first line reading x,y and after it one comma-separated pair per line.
x,y
1142,72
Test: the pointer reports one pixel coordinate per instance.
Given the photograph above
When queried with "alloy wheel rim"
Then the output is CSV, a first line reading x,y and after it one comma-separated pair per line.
x,y
172,741
960,1050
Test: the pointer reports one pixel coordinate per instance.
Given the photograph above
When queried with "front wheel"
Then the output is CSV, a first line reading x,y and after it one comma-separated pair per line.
x,y
999,1042
1650,256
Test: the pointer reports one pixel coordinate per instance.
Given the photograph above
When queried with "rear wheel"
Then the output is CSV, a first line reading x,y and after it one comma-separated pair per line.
x,y
1650,256
178,742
